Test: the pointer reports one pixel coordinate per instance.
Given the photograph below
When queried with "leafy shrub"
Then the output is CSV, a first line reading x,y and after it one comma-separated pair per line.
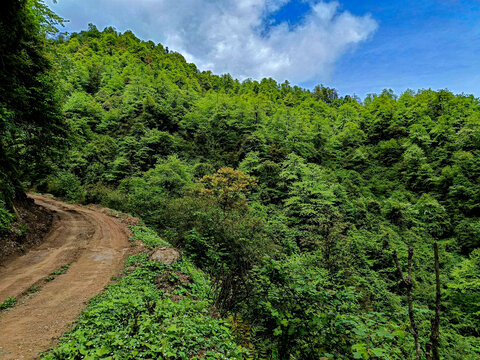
x,y
464,295
468,234
67,185
106,196
10,302
428,214
148,195
225,244
293,304
148,237
6,218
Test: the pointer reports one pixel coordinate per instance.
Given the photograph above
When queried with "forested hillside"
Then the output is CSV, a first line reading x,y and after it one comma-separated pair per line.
x,y
291,200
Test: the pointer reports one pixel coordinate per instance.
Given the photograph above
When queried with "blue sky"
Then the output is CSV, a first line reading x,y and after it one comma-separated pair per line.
x,y
418,44
355,46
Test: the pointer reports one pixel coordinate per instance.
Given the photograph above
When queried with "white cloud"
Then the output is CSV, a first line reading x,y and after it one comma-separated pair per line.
x,y
226,36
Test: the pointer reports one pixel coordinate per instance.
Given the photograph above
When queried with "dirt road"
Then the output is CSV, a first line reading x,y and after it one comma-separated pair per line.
x,y
93,243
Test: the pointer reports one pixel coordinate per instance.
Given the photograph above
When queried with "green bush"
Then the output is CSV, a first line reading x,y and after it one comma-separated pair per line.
x,y
294,305
10,302
463,295
148,237
106,196
6,218
67,185
225,244
468,234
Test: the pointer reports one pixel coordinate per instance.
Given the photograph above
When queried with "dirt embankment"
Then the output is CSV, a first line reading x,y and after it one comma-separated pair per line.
x,y
94,244
33,223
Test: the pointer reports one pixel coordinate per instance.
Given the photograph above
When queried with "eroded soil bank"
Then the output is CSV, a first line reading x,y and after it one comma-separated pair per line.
x,y
33,223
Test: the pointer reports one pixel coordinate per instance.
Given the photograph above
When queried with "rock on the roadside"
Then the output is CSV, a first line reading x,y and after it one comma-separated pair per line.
x,y
166,256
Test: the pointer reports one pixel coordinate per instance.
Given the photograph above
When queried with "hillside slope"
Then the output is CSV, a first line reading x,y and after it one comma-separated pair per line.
x,y
292,200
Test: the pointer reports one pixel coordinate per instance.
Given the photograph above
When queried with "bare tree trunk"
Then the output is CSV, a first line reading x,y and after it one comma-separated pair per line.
x,y
408,283
432,345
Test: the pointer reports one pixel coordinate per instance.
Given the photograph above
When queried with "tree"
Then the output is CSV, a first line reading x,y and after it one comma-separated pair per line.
x,y
326,94
228,187
31,125
463,295
431,347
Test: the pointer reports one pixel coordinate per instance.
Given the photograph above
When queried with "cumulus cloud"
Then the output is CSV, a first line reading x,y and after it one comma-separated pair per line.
x,y
233,37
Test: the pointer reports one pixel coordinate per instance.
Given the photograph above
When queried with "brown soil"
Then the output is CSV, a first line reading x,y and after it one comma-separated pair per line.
x,y
122,217
93,243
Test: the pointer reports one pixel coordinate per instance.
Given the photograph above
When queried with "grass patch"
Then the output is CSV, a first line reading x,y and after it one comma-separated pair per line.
x,y
148,236
10,302
61,270
33,289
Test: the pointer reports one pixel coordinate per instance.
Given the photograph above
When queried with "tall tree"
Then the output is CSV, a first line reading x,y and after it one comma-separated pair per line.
x,y
31,125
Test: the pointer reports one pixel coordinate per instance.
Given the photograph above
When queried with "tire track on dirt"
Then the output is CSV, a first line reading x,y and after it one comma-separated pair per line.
x,y
93,243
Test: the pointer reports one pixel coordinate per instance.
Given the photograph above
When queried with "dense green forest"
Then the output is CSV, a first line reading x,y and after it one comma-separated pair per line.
x,y
290,200
32,128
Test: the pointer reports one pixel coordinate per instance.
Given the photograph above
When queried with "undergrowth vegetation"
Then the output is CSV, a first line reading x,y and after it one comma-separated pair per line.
x,y
147,236
153,312
6,218
8,303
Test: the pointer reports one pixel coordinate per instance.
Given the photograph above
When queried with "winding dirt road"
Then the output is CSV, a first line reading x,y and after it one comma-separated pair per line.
x,y
93,243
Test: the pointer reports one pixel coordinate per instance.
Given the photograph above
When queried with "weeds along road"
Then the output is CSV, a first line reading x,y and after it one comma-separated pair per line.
x,y
94,244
